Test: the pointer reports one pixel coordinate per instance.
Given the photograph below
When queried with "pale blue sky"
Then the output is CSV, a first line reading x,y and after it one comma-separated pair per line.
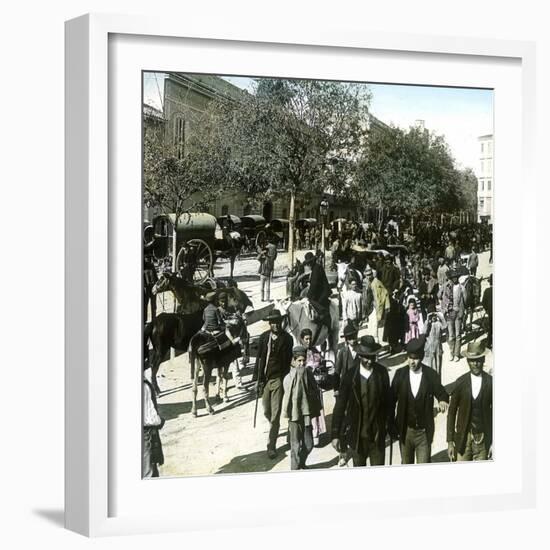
x,y
459,114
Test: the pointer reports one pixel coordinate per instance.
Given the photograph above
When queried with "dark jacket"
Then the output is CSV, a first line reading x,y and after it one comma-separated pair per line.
x,y
390,277
487,301
344,362
460,410
430,386
347,417
285,354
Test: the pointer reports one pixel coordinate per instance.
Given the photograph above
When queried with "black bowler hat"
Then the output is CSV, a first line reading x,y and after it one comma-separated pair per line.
x,y
416,346
309,258
274,317
349,331
367,346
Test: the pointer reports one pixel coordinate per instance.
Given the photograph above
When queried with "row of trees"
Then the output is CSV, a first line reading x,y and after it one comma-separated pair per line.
x,y
303,137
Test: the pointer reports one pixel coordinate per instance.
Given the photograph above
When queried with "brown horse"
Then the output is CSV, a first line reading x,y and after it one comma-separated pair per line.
x,y
190,298
216,359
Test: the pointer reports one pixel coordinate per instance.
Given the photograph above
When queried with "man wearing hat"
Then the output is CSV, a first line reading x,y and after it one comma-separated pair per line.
x,y
470,420
361,413
345,356
390,276
266,257
301,403
272,365
453,306
413,388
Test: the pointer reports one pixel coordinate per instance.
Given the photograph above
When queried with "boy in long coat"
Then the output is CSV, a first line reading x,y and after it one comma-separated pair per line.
x,y
301,403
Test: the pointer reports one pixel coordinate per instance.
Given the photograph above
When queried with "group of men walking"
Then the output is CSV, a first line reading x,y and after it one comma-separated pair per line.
x,y
369,411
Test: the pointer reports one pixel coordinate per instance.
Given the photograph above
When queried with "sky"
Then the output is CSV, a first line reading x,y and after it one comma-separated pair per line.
x,y
461,115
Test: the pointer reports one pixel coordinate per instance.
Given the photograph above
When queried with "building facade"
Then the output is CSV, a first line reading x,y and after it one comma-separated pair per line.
x,y
185,98
486,180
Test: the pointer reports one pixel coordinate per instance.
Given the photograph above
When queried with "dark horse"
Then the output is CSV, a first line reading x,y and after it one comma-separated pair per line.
x,y
216,359
229,247
175,330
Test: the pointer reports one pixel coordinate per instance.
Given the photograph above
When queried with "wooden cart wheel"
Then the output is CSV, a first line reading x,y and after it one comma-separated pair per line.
x,y
261,239
204,260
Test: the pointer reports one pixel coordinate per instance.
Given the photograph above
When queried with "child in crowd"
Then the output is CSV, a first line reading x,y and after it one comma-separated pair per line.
x,y
433,350
352,305
300,404
414,318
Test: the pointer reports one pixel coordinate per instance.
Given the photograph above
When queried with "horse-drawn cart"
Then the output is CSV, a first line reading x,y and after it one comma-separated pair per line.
x,y
199,242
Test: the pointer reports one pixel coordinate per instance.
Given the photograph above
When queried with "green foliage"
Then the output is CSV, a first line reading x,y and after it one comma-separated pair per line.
x,y
412,170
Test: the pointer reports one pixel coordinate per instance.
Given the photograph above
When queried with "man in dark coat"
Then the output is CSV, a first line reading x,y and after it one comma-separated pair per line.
x,y
413,389
272,365
345,357
362,410
390,276
470,420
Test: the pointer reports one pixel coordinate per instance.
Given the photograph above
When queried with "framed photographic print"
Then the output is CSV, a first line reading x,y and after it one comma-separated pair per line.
x,y
313,223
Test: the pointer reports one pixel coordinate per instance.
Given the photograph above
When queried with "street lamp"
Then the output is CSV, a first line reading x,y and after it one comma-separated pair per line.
x,y
323,211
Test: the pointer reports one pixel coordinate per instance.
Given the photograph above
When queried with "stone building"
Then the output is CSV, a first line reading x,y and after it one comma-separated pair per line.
x,y
486,181
185,99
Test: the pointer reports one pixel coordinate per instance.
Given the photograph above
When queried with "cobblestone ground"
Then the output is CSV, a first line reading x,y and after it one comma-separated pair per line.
x,y
226,441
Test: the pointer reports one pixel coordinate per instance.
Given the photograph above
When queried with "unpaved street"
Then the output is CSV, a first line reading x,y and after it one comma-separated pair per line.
x,y
226,441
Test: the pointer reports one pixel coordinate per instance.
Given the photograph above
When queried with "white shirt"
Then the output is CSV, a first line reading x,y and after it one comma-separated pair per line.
x,y
415,378
476,385
365,373
352,351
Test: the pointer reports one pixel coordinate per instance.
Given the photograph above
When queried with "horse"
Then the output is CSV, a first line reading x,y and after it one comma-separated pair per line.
x,y
228,248
175,330
190,298
299,318
215,359
169,330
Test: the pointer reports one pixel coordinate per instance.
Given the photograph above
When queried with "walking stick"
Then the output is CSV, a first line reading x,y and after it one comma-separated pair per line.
x,y
256,406
391,450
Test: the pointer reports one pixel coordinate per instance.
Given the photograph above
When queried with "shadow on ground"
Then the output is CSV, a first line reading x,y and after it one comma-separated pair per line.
x,y
56,517
254,462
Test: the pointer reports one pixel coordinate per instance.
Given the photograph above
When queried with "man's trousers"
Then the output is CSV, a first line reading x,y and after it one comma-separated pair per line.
x,y
272,400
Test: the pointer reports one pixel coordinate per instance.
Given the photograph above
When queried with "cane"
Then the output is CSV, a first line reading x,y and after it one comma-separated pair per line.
x,y
256,406
391,450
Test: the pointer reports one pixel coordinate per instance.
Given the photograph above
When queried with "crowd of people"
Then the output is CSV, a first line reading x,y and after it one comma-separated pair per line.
x,y
396,292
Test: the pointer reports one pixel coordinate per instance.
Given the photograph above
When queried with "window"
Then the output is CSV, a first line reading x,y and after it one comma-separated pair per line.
x,y
481,203
179,136
490,166
490,148
488,185
482,148
285,214
225,210
482,166
482,185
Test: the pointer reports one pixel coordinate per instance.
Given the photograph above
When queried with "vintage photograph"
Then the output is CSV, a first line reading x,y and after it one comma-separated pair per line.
x,y
317,274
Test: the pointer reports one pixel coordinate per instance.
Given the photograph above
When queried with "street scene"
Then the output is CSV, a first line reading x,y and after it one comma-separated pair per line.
x,y
317,281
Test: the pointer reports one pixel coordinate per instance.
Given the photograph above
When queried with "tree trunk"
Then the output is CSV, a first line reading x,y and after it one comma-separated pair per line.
x,y
174,254
291,222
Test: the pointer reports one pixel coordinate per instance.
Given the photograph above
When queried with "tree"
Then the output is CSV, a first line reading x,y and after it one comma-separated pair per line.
x,y
284,138
179,184
412,170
